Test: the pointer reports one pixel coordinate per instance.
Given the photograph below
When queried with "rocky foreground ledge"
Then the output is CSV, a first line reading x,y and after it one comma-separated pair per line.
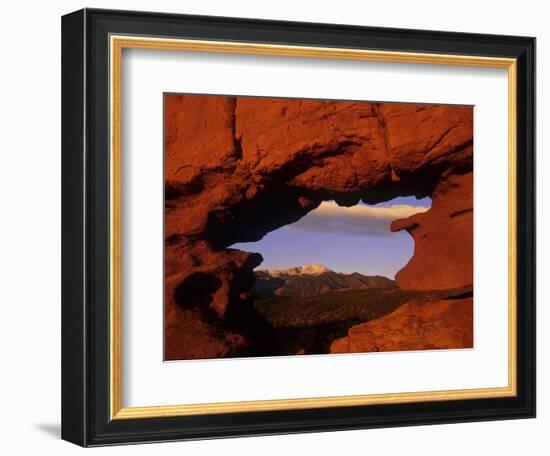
x,y
416,325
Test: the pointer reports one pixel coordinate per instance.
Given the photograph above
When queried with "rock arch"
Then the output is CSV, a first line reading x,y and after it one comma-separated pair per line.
x,y
239,167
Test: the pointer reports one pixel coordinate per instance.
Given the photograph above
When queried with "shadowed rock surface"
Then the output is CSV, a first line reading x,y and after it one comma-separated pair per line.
x,y
237,168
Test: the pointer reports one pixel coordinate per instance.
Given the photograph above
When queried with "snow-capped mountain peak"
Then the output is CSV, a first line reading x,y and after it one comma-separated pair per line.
x,y
309,269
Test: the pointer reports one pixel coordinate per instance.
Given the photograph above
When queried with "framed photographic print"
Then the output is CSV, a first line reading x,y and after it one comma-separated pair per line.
x,y
279,227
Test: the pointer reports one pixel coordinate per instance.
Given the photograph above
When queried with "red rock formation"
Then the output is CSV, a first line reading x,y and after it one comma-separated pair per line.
x,y
443,239
237,168
416,325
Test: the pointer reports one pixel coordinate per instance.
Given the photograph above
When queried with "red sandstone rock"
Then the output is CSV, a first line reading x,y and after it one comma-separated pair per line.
x,y
190,337
198,135
422,136
319,145
237,168
416,325
443,239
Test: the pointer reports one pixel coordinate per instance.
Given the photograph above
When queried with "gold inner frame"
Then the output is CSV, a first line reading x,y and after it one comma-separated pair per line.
x,y
117,44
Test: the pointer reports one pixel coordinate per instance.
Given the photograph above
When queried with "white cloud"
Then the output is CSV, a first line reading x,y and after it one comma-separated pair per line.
x,y
358,220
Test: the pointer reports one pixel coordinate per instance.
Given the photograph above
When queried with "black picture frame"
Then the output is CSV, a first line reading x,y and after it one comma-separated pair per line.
x,y
85,228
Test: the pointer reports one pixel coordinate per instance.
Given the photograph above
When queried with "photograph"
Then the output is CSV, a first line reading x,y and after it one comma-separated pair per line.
x,y
275,228
316,227
278,227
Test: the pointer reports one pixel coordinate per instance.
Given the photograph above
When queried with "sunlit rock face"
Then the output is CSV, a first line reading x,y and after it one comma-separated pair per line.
x,y
416,325
237,168
443,238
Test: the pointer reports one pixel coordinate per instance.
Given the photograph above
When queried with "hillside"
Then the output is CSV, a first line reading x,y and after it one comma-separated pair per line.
x,y
312,324
312,280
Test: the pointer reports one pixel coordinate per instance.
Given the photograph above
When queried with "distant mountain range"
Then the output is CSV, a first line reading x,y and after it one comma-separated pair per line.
x,y
312,280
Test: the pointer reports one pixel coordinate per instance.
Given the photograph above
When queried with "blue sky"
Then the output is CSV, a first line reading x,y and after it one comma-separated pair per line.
x,y
354,239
